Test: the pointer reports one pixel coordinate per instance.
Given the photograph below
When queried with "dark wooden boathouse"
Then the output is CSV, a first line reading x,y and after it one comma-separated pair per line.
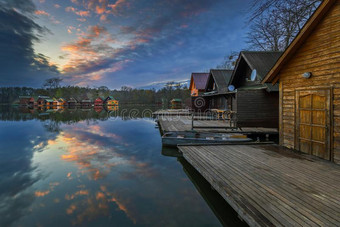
x,y
255,104
217,89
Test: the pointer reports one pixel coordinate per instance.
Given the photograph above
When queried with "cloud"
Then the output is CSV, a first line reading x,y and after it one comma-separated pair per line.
x,y
82,13
19,32
41,12
57,6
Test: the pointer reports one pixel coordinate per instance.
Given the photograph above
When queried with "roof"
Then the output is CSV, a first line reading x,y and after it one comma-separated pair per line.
x,y
262,61
72,100
176,100
101,98
272,75
43,97
25,97
222,78
200,80
49,100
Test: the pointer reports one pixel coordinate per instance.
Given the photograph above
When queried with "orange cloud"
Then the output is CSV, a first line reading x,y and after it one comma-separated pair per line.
x,y
41,12
100,196
83,13
71,209
100,9
41,193
57,6
78,193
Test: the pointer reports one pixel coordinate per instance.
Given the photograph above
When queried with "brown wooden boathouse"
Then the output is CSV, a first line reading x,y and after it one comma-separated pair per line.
x,y
308,73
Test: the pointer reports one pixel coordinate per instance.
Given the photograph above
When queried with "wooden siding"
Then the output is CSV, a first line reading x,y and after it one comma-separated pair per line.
x,y
257,108
320,55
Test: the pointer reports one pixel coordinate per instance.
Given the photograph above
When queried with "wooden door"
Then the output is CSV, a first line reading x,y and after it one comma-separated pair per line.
x,y
313,122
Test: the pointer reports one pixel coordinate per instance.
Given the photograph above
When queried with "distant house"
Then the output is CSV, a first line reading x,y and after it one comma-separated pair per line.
x,y
308,73
62,102
86,102
99,101
41,100
110,101
217,89
55,102
176,103
254,104
49,102
72,102
198,83
26,100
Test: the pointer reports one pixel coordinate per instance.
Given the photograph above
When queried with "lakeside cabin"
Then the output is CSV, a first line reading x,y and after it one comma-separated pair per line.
x,y
72,102
62,102
249,102
41,100
99,101
110,101
176,104
308,74
26,100
217,89
86,103
198,83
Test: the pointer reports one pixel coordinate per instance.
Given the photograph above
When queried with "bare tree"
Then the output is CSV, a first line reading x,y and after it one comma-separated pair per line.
x,y
275,23
53,82
229,61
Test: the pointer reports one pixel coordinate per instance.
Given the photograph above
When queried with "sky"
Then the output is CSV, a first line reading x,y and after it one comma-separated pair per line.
x,y
115,43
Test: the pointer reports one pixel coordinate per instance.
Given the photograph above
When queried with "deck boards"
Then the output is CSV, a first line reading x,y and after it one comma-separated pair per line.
x,y
183,123
268,185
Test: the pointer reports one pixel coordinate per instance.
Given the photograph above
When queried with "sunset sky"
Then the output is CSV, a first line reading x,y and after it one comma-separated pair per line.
x,y
133,43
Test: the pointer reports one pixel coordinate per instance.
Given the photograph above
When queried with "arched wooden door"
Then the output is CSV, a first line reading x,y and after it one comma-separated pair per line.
x,y
313,122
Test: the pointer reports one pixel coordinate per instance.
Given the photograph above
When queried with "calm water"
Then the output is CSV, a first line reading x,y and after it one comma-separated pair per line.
x,y
97,168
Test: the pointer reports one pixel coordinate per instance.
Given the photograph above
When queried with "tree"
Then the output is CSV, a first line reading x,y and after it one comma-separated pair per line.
x,y
53,83
275,23
229,61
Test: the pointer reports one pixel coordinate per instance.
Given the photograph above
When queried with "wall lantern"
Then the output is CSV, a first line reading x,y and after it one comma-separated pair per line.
x,y
307,75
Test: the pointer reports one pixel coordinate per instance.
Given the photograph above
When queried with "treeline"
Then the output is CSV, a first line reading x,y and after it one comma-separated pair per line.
x,y
125,95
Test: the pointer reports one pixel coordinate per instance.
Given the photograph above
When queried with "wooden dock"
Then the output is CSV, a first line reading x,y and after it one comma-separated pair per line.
x,y
268,185
184,123
172,112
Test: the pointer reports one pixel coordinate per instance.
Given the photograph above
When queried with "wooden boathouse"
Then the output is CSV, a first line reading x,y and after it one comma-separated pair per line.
x,y
255,104
198,83
308,73
217,89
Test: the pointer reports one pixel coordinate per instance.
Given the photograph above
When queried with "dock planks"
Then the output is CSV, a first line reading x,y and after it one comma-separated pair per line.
x,y
183,123
270,186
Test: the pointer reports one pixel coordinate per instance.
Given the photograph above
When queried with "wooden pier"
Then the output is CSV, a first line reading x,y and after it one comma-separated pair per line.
x,y
172,112
268,185
184,123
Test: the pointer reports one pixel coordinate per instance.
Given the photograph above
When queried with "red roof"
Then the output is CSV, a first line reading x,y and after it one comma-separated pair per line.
x,y
200,80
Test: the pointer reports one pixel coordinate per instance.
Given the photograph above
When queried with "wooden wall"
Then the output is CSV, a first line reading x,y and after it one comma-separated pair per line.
x,y
257,108
320,54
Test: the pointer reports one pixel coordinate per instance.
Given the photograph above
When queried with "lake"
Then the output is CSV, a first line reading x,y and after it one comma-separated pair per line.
x,y
98,167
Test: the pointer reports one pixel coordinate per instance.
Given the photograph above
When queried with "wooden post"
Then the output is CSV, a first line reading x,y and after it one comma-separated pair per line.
x,y
192,121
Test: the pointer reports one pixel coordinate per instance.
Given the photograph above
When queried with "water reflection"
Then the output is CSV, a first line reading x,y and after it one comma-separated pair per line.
x,y
90,167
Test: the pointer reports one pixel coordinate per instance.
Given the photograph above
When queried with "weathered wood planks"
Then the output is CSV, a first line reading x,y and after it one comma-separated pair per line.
x,y
183,123
268,185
